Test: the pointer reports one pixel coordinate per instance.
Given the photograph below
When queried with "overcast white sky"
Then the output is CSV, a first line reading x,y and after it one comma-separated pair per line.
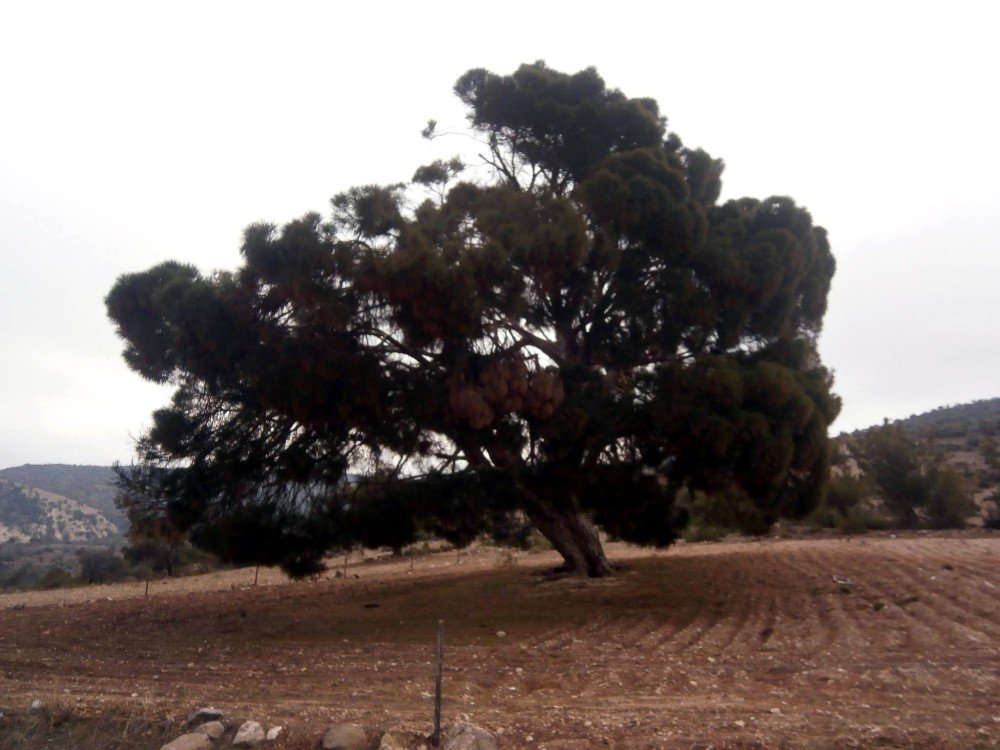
x,y
135,132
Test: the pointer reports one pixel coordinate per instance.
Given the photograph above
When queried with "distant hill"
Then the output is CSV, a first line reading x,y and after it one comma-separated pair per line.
x,y
29,514
974,420
966,436
90,485
961,424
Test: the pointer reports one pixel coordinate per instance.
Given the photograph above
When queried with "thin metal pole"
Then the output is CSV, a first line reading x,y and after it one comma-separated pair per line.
x,y
436,737
255,574
147,587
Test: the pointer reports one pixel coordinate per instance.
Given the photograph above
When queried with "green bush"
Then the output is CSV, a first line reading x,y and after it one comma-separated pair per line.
x,y
949,503
704,532
538,543
916,487
101,566
845,492
861,518
55,578
826,517
21,576
992,520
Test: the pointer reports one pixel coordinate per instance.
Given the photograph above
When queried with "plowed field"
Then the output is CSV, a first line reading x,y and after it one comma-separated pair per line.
x,y
866,643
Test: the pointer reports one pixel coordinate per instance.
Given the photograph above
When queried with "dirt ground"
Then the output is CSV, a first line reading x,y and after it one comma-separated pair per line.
x,y
732,645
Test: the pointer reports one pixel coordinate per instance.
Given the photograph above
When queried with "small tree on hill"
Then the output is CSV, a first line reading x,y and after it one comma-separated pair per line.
x,y
100,566
949,502
990,449
154,537
891,459
574,336
992,519
915,485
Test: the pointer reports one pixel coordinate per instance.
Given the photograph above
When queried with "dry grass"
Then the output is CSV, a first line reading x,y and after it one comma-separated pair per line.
x,y
61,727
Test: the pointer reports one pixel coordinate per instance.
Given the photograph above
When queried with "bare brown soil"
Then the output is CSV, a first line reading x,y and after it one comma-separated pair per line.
x,y
747,645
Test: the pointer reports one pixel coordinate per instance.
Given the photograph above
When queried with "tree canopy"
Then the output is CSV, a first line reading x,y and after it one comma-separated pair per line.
x,y
571,334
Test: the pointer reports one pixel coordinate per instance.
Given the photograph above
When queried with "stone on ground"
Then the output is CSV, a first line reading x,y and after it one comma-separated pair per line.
x,y
273,733
249,734
207,713
392,742
399,739
190,741
214,729
344,737
465,736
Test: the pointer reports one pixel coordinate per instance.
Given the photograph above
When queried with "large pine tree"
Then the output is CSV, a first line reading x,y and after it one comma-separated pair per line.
x,y
571,338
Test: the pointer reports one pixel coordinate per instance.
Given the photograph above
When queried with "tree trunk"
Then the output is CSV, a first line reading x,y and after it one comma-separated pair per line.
x,y
573,536
169,561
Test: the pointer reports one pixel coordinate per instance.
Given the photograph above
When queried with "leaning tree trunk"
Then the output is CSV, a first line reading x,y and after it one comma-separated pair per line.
x,y
573,535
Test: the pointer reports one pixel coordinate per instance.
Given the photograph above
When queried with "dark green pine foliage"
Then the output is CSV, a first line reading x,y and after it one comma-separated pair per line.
x,y
571,340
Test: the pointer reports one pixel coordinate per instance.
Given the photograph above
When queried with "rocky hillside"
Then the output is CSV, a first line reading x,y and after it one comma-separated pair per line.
x,y
964,432
965,436
31,514
92,486
963,422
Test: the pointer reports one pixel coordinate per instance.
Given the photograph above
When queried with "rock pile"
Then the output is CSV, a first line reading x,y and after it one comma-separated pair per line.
x,y
208,729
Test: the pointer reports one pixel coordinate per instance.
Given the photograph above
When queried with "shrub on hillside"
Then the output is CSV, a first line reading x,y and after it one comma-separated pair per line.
x,y
992,520
101,566
862,518
704,532
21,576
949,503
844,495
917,490
55,578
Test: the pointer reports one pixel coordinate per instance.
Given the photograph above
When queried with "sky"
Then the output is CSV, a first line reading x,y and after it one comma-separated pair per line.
x,y
132,133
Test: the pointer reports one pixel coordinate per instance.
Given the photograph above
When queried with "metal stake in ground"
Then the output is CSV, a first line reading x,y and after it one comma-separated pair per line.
x,y
436,737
